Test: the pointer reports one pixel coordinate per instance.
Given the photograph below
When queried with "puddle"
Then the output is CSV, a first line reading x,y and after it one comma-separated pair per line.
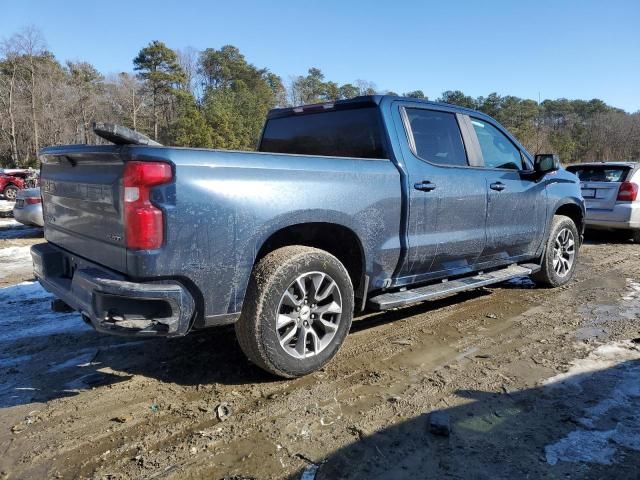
x,y
10,230
609,310
521,282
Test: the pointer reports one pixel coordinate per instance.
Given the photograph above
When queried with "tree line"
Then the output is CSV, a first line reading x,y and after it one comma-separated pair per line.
x,y
215,98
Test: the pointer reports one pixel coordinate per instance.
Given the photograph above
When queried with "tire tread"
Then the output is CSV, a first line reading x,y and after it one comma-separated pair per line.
x,y
264,275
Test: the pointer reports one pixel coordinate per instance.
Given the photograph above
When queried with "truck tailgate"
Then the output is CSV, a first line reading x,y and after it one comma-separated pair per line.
x,y
82,202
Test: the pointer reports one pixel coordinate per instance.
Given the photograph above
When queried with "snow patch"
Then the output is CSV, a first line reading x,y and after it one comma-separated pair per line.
x,y
602,358
14,254
590,444
582,446
27,313
6,206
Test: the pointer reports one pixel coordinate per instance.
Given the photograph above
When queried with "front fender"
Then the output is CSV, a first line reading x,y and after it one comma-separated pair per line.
x,y
563,194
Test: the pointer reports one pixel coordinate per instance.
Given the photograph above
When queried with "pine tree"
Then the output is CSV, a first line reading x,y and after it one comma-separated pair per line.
x,y
159,68
190,128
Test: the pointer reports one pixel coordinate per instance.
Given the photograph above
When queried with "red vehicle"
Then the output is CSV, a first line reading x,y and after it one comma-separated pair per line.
x,y
12,180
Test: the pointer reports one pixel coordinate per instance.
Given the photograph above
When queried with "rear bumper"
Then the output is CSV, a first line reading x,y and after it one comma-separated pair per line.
x,y
110,302
623,216
29,215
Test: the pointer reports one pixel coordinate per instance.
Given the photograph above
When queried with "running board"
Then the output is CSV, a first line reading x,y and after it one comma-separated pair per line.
x,y
385,301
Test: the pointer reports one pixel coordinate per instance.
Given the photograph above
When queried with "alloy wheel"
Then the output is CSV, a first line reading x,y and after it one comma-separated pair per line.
x,y
309,314
564,252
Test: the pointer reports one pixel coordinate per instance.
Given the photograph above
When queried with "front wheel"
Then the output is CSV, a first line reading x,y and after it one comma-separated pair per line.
x,y
559,259
297,311
10,193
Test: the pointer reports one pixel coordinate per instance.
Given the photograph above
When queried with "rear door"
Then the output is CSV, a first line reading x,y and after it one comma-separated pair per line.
x,y
447,197
516,211
600,184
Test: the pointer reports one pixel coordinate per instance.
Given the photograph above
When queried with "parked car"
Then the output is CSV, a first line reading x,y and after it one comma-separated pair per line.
x,y
610,191
370,201
28,207
13,180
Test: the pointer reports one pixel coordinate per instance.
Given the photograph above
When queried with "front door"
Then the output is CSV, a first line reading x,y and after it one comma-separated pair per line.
x,y
516,208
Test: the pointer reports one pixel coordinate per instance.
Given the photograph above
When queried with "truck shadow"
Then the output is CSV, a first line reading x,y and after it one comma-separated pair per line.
x,y
599,237
585,426
46,355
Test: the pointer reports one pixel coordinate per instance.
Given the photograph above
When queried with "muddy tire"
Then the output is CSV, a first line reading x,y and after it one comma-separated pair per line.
x,y
10,192
635,236
560,255
297,311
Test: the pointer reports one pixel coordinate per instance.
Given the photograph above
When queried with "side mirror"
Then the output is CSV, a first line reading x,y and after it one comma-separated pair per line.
x,y
546,162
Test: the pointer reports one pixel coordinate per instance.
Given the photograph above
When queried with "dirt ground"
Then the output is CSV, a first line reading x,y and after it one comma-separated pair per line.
x,y
534,383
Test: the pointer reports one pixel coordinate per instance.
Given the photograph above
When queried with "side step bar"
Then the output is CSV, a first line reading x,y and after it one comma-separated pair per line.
x,y
385,301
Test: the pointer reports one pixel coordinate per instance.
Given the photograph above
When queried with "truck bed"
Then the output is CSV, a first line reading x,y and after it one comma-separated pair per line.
x,y
218,211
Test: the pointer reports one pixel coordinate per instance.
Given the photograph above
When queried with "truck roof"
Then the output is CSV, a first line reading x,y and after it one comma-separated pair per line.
x,y
358,102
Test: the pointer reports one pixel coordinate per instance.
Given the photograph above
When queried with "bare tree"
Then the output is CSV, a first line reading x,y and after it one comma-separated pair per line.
x,y
188,61
9,70
130,96
30,45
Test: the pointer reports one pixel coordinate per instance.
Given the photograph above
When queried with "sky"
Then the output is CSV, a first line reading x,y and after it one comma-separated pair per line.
x,y
548,49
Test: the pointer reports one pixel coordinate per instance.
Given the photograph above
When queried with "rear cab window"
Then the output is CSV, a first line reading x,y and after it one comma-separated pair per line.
x,y
355,132
600,173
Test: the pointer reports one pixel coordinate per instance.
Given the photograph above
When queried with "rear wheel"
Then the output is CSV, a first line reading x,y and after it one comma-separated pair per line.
x,y
559,259
10,192
636,236
297,311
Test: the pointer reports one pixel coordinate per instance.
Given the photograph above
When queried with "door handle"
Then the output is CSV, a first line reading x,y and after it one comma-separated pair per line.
x,y
425,186
498,186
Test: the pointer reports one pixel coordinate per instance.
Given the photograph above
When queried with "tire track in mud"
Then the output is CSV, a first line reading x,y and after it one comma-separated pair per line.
x,y
93,443
300,399
382,337
416,354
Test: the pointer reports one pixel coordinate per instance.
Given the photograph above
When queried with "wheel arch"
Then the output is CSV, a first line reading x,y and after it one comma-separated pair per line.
x,y
338,240
574,212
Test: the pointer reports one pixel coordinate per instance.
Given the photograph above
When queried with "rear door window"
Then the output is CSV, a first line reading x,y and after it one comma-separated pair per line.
x,y
436,136
589,173
339,133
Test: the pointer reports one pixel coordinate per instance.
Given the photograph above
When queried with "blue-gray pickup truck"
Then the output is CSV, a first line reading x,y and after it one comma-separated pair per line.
x,y
375,202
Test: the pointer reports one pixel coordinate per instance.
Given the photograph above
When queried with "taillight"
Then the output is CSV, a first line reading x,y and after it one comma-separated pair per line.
x,y
144,222
32,200
628,192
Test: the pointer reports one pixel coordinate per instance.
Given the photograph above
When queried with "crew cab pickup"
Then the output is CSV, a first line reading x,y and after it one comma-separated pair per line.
x,y
375,202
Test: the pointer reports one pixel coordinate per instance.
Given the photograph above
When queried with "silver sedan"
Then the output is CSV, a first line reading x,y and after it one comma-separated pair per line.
x,y
610,191
28,207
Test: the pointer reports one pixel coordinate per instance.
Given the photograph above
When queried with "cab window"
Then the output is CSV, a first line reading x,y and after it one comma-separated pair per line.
x,y
497,150
436,136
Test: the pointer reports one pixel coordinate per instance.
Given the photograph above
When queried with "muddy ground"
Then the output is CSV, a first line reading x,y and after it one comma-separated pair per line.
x,y
535,384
